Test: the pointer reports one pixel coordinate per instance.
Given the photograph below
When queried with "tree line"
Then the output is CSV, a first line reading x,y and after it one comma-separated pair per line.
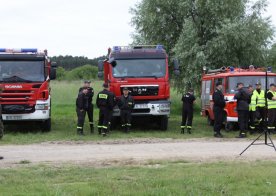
x,y
69,62
211,33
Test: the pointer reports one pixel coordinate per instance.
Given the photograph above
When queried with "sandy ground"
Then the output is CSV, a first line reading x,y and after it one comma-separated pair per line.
x,y
133,152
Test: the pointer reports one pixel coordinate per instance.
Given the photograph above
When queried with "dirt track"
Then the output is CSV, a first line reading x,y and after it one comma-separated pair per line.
x,y
134,151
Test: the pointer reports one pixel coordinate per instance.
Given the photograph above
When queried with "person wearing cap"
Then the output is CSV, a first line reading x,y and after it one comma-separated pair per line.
x,y
188,100
243,100
259,94
82,105
90,109
126,104
252,108
271,108
105,102
218,109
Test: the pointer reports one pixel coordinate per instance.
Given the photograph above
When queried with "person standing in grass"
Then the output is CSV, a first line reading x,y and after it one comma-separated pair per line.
x,y
105,102
187,111
218,109
126,104
90,108
82,106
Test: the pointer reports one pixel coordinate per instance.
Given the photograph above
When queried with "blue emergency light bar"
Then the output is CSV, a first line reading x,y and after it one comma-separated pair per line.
x,y
20,50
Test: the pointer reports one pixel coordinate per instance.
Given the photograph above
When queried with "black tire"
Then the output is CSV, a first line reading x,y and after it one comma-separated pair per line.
x,y
229,126
46,125
210,122
163,123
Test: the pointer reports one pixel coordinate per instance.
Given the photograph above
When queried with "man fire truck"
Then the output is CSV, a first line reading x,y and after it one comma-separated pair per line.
x,y
25,76
229,77
144,71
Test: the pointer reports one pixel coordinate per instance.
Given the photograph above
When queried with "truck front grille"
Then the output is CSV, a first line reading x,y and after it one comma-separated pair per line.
x,y
142,90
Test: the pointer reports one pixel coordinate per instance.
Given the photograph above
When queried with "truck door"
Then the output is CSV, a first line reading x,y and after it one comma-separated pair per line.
x,y
205,94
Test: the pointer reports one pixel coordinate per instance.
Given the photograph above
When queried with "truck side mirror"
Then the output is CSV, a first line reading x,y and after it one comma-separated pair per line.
x,y
53,71
100,74
112,61
176,67
100,68
100,65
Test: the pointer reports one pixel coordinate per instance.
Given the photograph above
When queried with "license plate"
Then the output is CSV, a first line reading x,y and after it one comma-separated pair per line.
x,y
140,106
13,117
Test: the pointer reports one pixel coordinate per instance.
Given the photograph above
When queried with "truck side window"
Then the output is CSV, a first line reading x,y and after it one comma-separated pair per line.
x,y
220,80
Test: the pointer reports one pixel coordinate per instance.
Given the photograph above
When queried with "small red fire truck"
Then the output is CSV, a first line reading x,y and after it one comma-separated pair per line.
x,y
25,92
144,70
229,77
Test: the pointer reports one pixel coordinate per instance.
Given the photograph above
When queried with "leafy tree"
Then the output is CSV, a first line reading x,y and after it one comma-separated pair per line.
x,y
210,33
272,57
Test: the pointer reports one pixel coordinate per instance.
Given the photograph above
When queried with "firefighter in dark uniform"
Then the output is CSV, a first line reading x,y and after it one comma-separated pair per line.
x,y
113,97
260,106
271,108
82,104
105,102
126,104
252,109
243,100
218,109
187,111
90,109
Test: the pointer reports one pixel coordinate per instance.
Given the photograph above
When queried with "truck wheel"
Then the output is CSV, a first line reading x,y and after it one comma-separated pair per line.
x,y
229,126
164,123
46,125
210,121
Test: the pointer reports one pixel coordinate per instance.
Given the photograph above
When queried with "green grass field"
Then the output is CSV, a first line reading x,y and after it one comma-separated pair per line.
x,y
64,121
179,178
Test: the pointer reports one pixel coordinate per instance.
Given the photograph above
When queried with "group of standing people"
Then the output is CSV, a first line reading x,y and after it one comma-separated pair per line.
x,y
105,101
251,108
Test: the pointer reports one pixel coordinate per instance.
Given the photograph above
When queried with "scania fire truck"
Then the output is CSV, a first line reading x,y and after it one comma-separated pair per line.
x,y
229,77
144,71
24,79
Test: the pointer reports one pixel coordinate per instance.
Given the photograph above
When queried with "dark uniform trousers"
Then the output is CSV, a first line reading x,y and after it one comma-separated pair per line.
x,y
243,117
126,118
252,115
187,117
271,124
104,118
218,113
261,116
81,117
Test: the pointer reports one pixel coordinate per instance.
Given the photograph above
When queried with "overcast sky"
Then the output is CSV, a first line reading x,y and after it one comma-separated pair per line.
x,y
70,27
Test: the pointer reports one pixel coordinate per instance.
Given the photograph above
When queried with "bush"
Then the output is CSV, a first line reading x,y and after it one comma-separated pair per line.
x,y
83,72
61,73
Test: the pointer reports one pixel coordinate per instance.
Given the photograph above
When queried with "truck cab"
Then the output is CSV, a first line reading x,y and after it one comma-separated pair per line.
x,y
25,85
144,71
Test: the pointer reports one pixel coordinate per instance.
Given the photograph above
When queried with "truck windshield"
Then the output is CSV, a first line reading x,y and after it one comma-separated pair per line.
x,y
139,68
249,80
21,71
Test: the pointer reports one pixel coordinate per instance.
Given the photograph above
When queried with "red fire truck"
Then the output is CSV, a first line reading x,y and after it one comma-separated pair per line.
x,y
25,92
144,71
229,77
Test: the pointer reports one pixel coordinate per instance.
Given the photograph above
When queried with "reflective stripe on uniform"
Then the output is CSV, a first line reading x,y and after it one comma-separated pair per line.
x,y
182,127
189,127
79,127
99,126
251,127
104,127
128,124
271,127
103,96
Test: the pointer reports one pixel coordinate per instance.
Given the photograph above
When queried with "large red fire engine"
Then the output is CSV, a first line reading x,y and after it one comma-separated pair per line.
x,y
229,77
144,71
25,92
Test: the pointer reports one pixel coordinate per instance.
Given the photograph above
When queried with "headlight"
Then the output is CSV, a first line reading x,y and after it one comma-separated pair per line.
x,y
41,106
164,105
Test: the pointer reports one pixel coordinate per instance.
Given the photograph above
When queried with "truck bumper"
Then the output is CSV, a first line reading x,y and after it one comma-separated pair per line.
x,y
149,108
38,115
232,119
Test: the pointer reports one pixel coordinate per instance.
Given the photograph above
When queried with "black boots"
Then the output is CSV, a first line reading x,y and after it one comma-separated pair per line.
x,y
80,131
183,130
